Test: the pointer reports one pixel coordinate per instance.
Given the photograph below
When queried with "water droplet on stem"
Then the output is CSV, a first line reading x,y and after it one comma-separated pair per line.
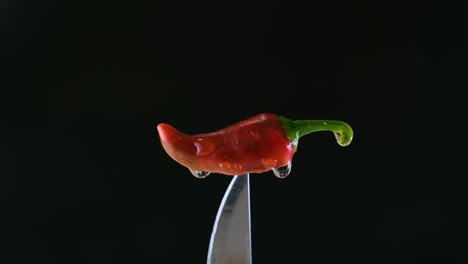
x,y
337,136
200,174
282,172
340,141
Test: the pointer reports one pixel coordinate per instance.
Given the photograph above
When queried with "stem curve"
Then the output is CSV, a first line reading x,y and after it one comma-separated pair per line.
x,y
297,128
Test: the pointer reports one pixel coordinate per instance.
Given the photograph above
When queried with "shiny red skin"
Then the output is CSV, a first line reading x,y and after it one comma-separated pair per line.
x,y
254,145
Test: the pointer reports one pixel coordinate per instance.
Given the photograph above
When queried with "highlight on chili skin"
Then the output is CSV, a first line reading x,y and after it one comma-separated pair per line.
x,y
261,143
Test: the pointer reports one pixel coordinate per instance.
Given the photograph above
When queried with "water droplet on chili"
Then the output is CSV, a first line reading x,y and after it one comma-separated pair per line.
x,y
200,174
225,165
204,147
283,172
269,162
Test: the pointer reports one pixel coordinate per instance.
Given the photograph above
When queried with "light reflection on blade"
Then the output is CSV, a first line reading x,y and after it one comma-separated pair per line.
x,y
231,239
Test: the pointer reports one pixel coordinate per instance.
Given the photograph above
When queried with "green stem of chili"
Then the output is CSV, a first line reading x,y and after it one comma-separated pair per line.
x,y
297,128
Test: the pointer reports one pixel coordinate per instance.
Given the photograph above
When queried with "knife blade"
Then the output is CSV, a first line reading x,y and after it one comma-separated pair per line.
x,y
230,240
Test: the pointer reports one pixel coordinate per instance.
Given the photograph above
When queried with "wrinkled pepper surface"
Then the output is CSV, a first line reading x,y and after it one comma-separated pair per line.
x,y
258,144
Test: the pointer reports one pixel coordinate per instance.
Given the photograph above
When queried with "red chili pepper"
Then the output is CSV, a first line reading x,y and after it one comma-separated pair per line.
x,y
258,144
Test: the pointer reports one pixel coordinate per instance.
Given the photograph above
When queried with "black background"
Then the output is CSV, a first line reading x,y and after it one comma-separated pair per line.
x,y
84,178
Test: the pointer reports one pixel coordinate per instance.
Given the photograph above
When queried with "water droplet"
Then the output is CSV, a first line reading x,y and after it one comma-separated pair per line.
x,y
269,162
225,165
200,174
342,142
282,172
337,136
205,147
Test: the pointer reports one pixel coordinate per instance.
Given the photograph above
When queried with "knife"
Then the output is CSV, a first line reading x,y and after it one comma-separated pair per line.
x,y
230,241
